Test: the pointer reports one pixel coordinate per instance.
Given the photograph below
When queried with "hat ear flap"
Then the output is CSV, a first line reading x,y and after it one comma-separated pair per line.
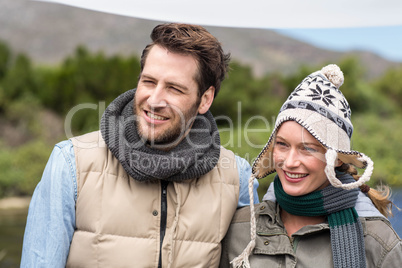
x,y
331,157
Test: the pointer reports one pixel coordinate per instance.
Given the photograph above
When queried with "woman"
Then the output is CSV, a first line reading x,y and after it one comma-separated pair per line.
x,y
318,212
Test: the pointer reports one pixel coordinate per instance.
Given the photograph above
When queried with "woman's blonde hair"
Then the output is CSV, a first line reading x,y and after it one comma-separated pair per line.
x,y
379,196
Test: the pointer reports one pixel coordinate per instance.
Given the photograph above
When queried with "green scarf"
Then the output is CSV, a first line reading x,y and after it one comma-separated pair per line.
x,y
337,204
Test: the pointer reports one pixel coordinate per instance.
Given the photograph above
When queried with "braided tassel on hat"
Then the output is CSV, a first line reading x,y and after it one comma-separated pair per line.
x,y
242,261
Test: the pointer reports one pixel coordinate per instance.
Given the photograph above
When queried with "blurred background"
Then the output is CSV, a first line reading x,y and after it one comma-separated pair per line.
x,y
55,57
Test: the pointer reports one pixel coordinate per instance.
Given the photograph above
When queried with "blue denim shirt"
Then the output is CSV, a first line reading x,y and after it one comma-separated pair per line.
x,y
51,217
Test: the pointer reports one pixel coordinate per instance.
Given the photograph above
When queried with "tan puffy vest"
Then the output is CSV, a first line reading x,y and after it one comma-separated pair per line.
x,y
118,218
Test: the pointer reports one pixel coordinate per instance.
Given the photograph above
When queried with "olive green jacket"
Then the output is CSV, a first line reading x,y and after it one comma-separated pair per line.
x,y
308,247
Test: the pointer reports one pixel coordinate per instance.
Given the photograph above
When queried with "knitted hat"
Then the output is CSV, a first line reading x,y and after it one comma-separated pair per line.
x,y
320,107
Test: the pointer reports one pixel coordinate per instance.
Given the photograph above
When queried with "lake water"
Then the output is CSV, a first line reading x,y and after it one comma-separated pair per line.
x,y
12,224
396,221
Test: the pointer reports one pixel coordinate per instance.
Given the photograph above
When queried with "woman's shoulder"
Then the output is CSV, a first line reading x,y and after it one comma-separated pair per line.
x,y
380,229
383,245
243,214
378,232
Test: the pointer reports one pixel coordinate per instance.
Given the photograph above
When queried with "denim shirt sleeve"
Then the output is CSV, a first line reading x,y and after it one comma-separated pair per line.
x,y
51,216
244,169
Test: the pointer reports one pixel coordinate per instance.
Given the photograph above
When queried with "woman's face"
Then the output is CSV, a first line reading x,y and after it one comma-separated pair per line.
x,y
299,160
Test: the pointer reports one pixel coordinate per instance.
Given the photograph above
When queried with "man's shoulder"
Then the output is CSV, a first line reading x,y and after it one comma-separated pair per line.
x,y
225,151
87,140
229,154
90,148
226,159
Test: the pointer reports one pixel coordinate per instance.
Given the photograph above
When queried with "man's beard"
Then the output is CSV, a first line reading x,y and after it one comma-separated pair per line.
x,y
171,136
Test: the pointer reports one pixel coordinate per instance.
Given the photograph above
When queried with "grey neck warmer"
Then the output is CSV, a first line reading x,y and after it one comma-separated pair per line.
x,y
194,156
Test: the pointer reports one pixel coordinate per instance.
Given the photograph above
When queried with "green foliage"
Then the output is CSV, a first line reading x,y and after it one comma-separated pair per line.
x,y
22,168
355,88
292,81
18,81
380,139
390,86
247,142
84,83
5,55
233,90
23,114
243,96
87,78
81,87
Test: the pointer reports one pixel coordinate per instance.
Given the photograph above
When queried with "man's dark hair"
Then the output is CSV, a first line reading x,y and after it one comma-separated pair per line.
x,y
196,41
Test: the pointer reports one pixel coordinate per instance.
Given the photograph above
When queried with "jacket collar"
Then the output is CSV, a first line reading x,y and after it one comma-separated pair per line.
x,y
272,238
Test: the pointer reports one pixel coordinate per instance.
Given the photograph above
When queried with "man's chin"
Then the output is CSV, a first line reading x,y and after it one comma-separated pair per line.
x,y
161,141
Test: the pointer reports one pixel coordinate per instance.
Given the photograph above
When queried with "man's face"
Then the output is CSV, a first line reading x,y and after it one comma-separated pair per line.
x,y
167,101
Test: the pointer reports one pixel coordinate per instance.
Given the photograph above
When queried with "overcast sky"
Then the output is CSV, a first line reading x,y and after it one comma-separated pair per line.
x,y
371,25
385,41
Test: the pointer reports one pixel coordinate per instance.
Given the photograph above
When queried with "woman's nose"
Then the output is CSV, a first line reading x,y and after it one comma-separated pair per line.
x,y
292,159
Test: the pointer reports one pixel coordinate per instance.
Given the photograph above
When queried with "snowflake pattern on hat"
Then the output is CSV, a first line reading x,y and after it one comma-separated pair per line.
x,y
316,93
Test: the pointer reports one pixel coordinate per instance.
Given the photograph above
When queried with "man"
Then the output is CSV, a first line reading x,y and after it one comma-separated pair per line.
x,y
152,188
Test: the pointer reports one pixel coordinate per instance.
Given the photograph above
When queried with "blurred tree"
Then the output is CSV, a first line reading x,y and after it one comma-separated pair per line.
x,y
290,82
5,55
234,93
243,96
391,85
355,88
19,79
87,79
22,168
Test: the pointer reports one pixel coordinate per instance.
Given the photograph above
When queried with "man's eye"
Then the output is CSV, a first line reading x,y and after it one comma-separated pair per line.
x,y
176,89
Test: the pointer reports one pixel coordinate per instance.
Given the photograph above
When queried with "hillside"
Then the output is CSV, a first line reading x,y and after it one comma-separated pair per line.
x,y
49,32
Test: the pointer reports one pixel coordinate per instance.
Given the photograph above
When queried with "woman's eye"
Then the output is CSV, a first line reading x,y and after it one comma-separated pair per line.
x,y
281,144
309,149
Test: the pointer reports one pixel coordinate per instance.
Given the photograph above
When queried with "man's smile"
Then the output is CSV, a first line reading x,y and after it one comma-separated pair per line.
x,y
155,117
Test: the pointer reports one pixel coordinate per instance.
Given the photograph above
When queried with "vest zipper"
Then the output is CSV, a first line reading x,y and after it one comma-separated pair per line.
x,y
164,185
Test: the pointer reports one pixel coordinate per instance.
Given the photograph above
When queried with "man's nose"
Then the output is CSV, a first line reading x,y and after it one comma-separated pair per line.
x,y
157,98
